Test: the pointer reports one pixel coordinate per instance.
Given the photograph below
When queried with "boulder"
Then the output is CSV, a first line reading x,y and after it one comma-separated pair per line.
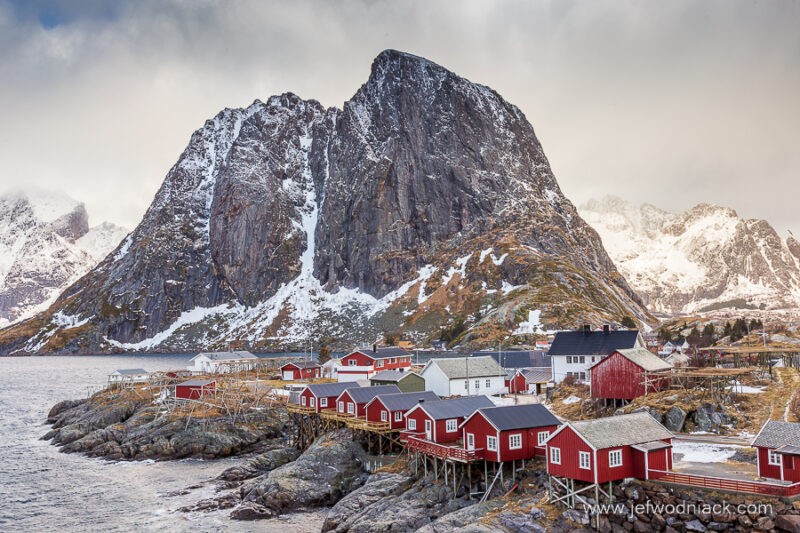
x,y
709,417
675,419
259,465
788,522
457,521
695,525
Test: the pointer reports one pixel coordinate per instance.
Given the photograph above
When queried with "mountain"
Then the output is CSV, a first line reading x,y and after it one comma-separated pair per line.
x,y
426,202
46,244
705,258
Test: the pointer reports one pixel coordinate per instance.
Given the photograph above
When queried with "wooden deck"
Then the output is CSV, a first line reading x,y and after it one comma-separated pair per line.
x,y
365,425
300,409
777,488
441,451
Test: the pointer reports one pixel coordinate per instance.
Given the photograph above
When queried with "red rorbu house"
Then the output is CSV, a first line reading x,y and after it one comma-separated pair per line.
x,y
509,433
627,374
438,421
608,449
528,380
352,402
391,408
323,396
778,445
195,389
362,364
301,370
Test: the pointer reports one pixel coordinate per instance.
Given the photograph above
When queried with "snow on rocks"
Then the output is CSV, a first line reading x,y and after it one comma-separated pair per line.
x,y
701,452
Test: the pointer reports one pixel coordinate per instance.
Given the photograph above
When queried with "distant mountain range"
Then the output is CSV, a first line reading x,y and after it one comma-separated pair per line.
x,y
704,259
426,202
46,244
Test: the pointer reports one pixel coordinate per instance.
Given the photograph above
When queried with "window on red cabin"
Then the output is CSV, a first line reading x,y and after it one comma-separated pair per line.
x,y
351,408
541,437
323,402
352,362
615,458
398,416
491,444
411,423
302,400
515,441
341,407
312,401
774,458
555,456
584,460
451,426
384,416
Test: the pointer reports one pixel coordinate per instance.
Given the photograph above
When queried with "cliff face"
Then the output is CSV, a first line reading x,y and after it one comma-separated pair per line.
x,y
705,258
427,199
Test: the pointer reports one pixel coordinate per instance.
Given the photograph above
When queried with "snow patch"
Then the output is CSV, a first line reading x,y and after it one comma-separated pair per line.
x,y
532,326
570,400
701,452
508,288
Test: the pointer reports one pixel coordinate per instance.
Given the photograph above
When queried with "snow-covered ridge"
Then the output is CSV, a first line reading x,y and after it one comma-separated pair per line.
x,y
705,257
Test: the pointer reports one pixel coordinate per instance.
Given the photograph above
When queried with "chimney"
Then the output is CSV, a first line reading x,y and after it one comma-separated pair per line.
x,y
606,329
374,348
587,329
422,400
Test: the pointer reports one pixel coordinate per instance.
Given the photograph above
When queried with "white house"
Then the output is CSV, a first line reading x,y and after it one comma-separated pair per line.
x,y
573,352
330,368
222,362
464,376
128,375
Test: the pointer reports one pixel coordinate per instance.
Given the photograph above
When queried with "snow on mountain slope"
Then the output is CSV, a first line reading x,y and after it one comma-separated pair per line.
x,y
704,258
45,246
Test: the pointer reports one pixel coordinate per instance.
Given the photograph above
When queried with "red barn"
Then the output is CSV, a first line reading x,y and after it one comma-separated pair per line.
x,y
323,396
353,401
195,389
392,408
621,375
439,421
610,449
509,433
301,370
778,445
362,364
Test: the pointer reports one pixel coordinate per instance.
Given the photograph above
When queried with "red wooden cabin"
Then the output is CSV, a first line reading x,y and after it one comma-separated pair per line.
x,y
195,389
353,401
295,370
509,433
392,408
362,364
439,421
323,395
620,376
610,449
528,380
778,445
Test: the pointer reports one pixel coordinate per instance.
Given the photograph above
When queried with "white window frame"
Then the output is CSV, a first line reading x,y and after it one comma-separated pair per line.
x,y
488,383
515,441
352,362
583,376
569,359
582,359
541,437
612,454
491,443
303,401
312,402
341,407
398,416
774,458
555,455
451,425
351,408
585,460
379,363
411,423
323,402
477,384
384,416
466,384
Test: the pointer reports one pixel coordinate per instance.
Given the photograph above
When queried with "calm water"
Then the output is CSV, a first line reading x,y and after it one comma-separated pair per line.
x,y
42,489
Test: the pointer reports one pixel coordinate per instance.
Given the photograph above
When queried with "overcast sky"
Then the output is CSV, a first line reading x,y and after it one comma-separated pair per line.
x,y
672,103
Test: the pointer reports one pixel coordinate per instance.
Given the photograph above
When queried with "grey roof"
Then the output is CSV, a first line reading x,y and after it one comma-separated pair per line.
x,y
592,342
789,450
468,367
330,389
457,408
196,383
406,400
650,446
509,417
775,434
539,375
130,371
622,430
226,356
302,364
365,394
645,359
383,352
390,375
517,358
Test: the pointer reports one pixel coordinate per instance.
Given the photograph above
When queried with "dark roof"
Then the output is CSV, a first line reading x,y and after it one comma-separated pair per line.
x,y
383,352
592,343
197,383
365,394
776,433
532,415
330,389
517,358
406,400
457,408
302,364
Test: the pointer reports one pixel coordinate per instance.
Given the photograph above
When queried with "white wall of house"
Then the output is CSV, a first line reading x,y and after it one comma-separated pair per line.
x,y
438,382
578,365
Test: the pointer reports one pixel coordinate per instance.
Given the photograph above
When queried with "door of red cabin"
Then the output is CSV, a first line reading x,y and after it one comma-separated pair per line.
x,y
428,430
470,441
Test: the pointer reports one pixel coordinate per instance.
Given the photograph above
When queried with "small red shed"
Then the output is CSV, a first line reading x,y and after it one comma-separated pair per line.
x,y
323,396
353,401
509,433
439,421
778,445
392,408
296,370
195,389
610,449
621,375
529,380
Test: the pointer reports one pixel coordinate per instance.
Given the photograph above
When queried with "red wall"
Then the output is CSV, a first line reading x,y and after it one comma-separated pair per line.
x,y
570,444
764,468
307,395
439,433
419,416
301,373
345,397
373,414
481,428
360,359
194,392
517,384
791,468
616,377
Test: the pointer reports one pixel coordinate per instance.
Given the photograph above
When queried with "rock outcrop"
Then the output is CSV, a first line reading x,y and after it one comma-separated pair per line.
x,y
426,201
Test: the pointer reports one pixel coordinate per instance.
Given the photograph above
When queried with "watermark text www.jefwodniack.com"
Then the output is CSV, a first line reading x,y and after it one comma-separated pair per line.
x,y
650,508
